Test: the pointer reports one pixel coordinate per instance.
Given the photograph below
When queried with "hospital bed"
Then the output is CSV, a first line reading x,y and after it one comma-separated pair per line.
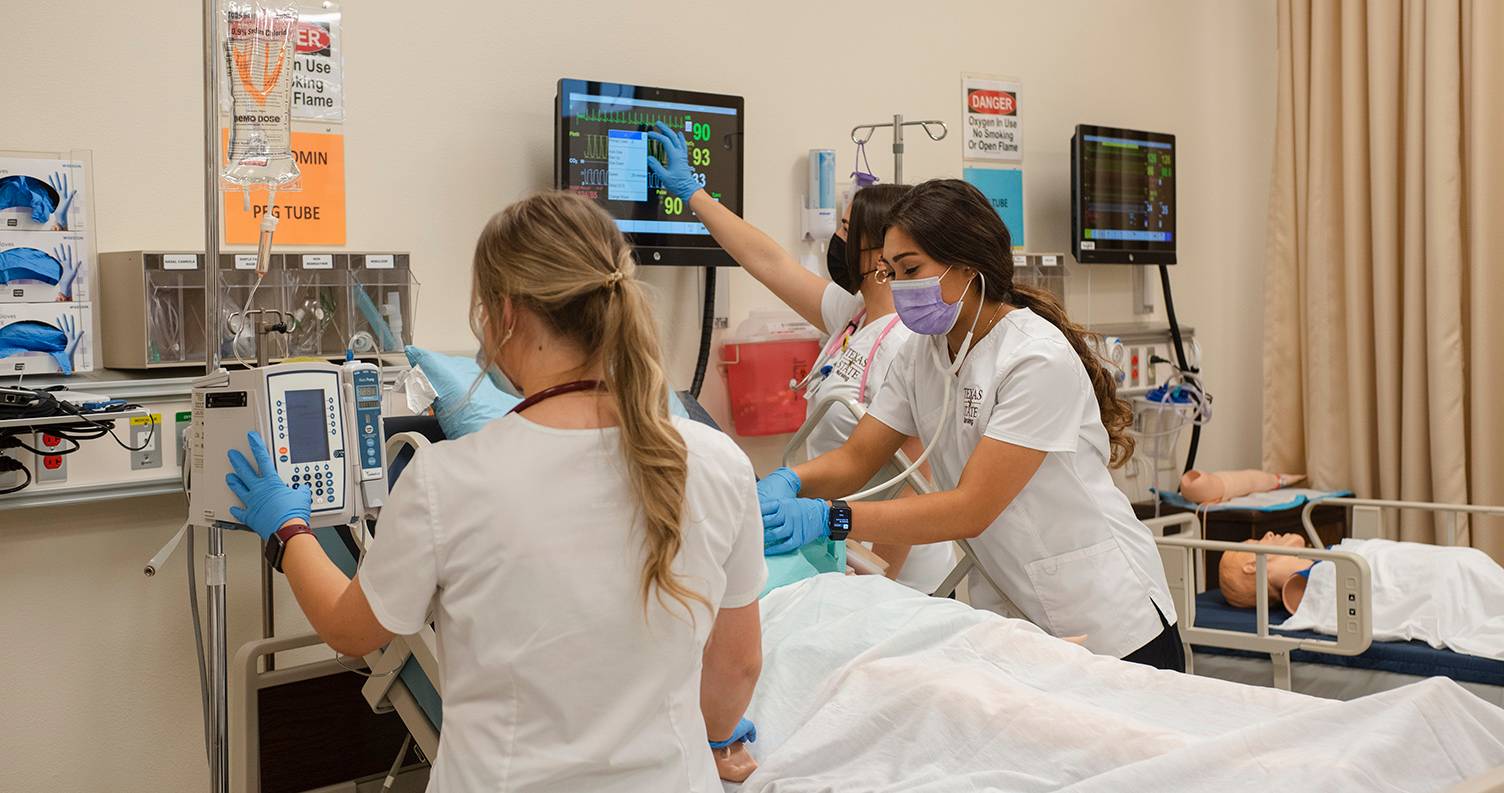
x,y
945,658
886,688
867,685
1240,644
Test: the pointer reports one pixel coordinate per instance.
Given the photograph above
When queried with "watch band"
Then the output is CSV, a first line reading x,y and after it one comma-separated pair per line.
x,y
276,545
840,520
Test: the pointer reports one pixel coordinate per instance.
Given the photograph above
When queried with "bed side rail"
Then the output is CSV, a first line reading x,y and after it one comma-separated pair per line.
x,y
385,691
1365,517
1354,591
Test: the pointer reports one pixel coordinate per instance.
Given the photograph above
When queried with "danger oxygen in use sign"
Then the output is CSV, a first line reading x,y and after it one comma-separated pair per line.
x,y
317,69
993,129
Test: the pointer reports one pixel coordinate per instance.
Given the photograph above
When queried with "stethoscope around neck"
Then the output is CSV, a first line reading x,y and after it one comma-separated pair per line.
x,y
824,364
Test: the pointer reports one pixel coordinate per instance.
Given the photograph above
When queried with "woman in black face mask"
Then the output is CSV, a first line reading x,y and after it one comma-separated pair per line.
x,y
855,308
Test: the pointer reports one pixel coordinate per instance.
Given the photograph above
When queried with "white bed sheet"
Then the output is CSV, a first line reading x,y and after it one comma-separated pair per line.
x,y
1445,596
868,686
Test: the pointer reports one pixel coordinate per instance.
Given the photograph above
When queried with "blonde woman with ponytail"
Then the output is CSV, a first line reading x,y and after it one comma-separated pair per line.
x,y
1023,423
592,563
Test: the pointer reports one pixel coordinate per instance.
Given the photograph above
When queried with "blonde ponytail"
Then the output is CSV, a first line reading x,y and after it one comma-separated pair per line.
x,y
657,460
563,258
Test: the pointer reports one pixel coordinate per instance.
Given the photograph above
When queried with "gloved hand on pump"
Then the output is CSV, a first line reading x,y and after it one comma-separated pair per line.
x,y
269,503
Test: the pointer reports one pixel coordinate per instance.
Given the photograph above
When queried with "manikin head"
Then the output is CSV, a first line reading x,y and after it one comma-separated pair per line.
x,y
1237,572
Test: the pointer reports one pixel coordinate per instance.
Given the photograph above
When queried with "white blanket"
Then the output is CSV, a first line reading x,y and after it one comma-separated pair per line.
x,y
868,686
1446,597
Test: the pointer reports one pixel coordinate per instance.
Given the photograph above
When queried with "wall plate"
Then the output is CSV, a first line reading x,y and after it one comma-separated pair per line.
x,y
50,467
142,429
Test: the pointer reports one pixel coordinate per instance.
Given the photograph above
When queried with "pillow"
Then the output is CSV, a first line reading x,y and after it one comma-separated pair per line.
x,y
807,562
452,376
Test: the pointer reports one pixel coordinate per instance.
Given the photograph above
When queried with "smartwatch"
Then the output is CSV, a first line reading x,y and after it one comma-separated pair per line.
x,y
276,545
840,520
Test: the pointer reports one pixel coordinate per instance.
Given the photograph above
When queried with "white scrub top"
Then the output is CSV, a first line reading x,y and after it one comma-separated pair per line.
x,y
927,565
525,543
1068,550
837,307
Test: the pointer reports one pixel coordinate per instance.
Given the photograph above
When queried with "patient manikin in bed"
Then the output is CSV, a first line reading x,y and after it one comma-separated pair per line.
x,y
1447,597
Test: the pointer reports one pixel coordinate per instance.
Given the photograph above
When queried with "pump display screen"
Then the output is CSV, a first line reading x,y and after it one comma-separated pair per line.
x,y
307,429
602,151
1124,195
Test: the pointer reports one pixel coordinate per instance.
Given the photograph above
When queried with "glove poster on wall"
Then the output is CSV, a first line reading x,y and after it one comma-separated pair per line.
x,y
46,263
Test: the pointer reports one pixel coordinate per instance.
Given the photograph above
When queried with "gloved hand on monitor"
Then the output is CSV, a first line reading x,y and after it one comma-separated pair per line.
x,y
674,171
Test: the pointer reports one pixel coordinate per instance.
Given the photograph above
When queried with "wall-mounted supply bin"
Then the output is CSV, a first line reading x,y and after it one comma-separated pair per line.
x,y
153,316
1044,271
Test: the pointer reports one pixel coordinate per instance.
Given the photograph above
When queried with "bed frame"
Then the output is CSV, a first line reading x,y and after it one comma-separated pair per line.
x,y
1184,556
387,690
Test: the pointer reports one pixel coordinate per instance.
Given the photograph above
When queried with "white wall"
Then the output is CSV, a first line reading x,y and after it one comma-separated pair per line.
x,y
450,118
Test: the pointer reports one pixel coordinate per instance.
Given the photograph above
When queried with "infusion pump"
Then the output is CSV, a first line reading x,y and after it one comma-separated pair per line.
x,y
321,423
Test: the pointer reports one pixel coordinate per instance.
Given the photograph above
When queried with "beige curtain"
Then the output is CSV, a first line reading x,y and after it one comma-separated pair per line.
x,y
1384,290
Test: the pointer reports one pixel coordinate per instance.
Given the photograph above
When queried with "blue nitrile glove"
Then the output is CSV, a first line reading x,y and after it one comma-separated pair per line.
x,y
781,484
676,175
59,182
269,502
68,271
71,337
745,731
792,523
27,192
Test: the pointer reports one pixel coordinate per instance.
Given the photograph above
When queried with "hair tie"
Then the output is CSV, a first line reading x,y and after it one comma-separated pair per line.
x,y
614,278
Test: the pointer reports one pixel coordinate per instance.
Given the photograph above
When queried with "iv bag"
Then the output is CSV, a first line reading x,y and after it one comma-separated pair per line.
x,y
259,59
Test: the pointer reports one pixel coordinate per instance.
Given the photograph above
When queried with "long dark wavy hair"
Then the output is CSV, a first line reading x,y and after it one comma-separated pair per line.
x,y
954,224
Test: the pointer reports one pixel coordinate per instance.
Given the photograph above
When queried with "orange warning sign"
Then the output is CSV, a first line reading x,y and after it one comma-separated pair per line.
x,y
314,215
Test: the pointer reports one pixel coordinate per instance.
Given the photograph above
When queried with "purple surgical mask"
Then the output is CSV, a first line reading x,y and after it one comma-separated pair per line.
x,y
921,307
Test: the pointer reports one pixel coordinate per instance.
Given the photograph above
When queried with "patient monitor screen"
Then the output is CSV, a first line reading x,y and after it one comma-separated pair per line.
x,y
1124,192
307,430
603,151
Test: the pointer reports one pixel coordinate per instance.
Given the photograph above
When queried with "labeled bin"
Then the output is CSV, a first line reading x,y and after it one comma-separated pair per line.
x,y
769,353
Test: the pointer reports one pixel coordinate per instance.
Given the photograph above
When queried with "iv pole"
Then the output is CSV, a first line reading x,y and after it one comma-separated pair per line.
x,y
214,563
897,125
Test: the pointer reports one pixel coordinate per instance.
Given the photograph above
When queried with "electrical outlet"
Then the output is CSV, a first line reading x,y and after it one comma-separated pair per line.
x,y
142,429
183,423
49,467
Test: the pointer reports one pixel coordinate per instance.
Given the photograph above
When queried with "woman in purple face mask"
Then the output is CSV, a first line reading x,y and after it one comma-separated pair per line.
x,y
854,308
1022,423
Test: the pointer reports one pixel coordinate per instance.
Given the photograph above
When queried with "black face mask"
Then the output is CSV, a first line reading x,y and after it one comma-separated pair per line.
x,y
835,262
